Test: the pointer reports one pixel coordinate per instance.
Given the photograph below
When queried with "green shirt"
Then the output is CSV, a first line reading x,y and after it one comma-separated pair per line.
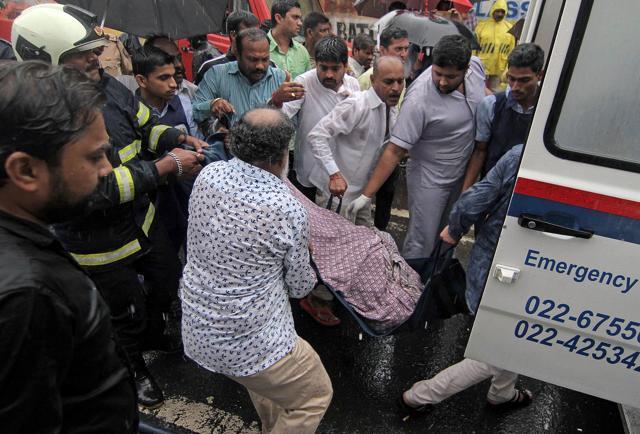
x,y
296,61
365,79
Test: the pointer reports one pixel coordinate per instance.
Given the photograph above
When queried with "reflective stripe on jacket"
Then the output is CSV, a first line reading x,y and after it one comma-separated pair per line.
x,y
121,211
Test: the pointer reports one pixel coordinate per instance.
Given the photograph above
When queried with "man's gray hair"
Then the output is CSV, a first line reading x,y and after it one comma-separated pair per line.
x,y
261,136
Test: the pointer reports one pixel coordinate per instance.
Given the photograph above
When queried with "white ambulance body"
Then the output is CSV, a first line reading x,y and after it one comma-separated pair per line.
x,y
562,300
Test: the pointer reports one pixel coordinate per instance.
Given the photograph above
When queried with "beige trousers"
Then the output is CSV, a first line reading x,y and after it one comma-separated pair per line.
x,y
291,396
460,376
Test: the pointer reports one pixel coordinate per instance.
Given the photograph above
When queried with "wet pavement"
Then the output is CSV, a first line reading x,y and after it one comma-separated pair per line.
x,y
368,375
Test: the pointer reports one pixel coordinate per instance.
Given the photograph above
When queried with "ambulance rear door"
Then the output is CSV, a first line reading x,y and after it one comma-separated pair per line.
x,y
562,300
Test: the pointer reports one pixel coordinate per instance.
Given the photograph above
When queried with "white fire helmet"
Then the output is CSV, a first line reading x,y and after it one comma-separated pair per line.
x,y
49,31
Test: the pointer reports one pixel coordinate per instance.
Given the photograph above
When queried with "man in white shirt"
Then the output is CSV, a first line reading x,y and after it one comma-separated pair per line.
x,y
393,41
325,86
348,141
248,252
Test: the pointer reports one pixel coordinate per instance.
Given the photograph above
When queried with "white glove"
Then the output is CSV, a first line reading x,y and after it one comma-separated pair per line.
x,y
354,207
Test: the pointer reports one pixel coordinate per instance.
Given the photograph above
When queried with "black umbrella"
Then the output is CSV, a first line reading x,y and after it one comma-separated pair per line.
x,y
175,18
516,29
426,31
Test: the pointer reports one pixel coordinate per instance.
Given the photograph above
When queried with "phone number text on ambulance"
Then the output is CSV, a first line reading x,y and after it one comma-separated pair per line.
x,y
581,345
587,320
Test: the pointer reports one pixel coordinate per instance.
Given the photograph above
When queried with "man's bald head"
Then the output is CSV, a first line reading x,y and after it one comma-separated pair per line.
x,y
387,79
387,63
261,137
263,117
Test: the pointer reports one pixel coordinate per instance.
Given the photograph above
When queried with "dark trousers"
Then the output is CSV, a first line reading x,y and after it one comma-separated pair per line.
x,y
309,192
172,203
137,308
384,200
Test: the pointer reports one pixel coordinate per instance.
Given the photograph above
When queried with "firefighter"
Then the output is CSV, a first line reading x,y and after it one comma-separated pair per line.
x,y
119,242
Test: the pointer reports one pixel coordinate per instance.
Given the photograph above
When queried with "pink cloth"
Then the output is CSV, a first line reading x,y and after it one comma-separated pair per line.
x,y
364,264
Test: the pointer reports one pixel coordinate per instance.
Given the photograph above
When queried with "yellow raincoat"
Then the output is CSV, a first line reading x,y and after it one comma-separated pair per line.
x,y
495,42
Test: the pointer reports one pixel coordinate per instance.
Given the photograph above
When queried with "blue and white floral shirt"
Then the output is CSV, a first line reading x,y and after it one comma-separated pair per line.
x,y
247,254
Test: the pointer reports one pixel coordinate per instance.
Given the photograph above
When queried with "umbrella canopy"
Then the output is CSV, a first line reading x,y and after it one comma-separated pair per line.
x,y
175,18
462,5
425,31
516,29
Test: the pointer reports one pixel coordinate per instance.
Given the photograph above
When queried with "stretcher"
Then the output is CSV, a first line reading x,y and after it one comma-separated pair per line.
x,y
380,290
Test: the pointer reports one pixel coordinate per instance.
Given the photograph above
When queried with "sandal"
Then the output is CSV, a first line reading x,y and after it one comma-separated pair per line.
x,y
321,314
522,398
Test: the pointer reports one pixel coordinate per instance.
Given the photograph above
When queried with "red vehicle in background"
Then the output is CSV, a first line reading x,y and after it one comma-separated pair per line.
x,y
9,10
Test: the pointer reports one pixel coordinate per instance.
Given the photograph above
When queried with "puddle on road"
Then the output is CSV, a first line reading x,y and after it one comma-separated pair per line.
x,y
201,418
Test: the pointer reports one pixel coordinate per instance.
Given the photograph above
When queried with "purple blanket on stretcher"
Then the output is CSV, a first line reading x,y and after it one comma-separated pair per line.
x,y
363,264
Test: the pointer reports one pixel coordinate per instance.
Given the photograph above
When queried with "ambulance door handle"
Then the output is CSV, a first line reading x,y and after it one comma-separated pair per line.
x,y
536,223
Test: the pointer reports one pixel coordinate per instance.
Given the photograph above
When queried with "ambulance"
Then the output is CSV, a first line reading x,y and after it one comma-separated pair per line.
x,y
562,300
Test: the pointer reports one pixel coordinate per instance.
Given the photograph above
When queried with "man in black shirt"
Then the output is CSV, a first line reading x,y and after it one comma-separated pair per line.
x,y
60,369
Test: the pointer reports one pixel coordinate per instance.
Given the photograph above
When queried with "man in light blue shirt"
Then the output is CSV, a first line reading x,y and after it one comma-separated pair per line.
x,y
503,119
250,82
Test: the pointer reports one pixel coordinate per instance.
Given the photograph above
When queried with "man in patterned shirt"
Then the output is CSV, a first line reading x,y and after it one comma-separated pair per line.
x,y
248,252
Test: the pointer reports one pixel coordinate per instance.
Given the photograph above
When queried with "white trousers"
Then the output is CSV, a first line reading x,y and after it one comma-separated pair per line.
x,y
459,377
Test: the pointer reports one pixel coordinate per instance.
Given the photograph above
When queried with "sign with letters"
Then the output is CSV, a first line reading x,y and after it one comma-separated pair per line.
x,y
517,9
348,26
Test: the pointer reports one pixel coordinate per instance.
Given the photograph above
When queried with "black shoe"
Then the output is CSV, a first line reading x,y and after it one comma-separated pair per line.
x,y
522,398
149,393
409,412
163,343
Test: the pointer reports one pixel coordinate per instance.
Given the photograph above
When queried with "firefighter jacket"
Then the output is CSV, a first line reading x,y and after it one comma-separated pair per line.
x,y
116,226
495,41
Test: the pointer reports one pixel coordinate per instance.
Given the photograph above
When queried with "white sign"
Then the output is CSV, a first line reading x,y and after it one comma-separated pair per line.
x,y
517,9
348,26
